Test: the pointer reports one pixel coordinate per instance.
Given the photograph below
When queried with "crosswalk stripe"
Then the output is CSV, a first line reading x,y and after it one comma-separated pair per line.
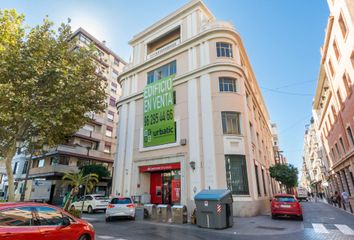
x,y
105,237
344,229
319,228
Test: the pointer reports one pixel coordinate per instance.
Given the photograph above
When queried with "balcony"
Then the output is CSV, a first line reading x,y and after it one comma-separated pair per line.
x,y
217,24
83,152
52,170
86,134
163,49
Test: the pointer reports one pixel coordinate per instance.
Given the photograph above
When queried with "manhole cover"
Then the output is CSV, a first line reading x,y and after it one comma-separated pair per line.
x,y
271,228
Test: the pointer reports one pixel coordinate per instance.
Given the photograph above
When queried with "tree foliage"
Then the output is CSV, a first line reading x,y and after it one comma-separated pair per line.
x,y
286,174
77,179
47,84
98,169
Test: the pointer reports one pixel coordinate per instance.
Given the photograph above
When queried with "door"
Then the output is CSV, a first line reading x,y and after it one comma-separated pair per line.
x,y
156,188
18,223
50,222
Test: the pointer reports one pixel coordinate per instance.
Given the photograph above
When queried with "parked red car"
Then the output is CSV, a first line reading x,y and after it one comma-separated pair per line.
x,y
33,221
286,205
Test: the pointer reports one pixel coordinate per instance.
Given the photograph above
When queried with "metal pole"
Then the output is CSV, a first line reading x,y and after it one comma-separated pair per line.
x,y
23,194
83,201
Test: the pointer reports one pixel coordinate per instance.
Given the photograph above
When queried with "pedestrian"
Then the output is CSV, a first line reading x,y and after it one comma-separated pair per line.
x,y
338,199
345,197
316,197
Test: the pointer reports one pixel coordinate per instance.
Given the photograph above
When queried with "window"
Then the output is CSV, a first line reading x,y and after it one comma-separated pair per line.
x,y
114,87
227,84
342,144
48,216
335,48
110,115
350,135
116,62
112,101
161,72
107,147
342,25
337,148
114,74
21,216
62,160
224,49
109,131
41,163
334,155
121,201
347,84
331,67
252,132
231,122
236,174
340,99
84,39
257,180
15,168
25,166
89,127
264,183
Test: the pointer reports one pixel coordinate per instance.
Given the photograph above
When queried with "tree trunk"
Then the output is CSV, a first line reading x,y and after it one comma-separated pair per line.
x,y
74,191
10,177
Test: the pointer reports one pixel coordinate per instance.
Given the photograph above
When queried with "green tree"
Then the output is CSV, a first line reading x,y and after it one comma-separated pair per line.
x,y
77,179
285,174
98,169
47,85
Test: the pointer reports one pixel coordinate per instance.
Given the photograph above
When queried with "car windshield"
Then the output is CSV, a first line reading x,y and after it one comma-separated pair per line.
x,y
121,201
285,199
101,198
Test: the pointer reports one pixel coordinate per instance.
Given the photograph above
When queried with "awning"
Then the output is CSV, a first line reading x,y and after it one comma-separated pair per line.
x,y
160,167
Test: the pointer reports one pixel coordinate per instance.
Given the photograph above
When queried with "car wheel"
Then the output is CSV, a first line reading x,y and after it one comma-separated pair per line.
x,y
133,218
108,219
89,209
85,237
301,218
274,216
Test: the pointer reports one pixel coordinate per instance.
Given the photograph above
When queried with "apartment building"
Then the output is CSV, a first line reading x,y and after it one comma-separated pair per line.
x,y
333,103
315,164
94,143
192,116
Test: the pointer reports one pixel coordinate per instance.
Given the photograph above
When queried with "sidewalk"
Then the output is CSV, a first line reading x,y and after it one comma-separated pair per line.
x,y
259,225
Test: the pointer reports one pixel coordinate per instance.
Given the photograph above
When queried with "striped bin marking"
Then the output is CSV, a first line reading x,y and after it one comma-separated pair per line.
x,y
218,208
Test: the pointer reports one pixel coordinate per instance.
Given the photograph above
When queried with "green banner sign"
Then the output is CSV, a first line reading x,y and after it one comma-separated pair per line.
x,y
159,124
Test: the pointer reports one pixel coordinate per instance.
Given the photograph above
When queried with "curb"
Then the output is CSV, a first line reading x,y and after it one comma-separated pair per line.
x,y
339,208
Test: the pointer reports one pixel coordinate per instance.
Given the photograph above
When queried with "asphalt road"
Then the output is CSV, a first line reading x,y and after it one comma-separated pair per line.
x,y
321,221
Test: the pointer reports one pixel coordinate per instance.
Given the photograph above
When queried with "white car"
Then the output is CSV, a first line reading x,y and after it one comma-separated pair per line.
x,y
93,202
120,207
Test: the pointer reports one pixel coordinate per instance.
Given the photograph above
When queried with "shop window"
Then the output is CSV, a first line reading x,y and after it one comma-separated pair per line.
x,y
231,122
236,174
224,49
227,84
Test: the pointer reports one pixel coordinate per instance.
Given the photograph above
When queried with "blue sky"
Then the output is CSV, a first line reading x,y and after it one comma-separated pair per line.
x,y
282,39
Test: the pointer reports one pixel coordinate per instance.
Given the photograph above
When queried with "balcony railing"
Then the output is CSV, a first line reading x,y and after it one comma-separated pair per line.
x,y
52,170
163,49
84,152
88,134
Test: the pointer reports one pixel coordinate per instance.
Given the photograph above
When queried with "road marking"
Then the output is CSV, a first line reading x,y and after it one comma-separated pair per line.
x,y
319,228
89,218
105,237
344,229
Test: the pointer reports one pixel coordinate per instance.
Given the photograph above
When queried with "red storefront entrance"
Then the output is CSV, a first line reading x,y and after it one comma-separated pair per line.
x,y
165,183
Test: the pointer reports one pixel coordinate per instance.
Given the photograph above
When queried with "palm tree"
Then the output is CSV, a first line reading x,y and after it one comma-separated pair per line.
x,y
77,180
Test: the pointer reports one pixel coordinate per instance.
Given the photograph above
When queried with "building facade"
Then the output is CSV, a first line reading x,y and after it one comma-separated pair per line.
x,y
94,143
333,103
192,116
